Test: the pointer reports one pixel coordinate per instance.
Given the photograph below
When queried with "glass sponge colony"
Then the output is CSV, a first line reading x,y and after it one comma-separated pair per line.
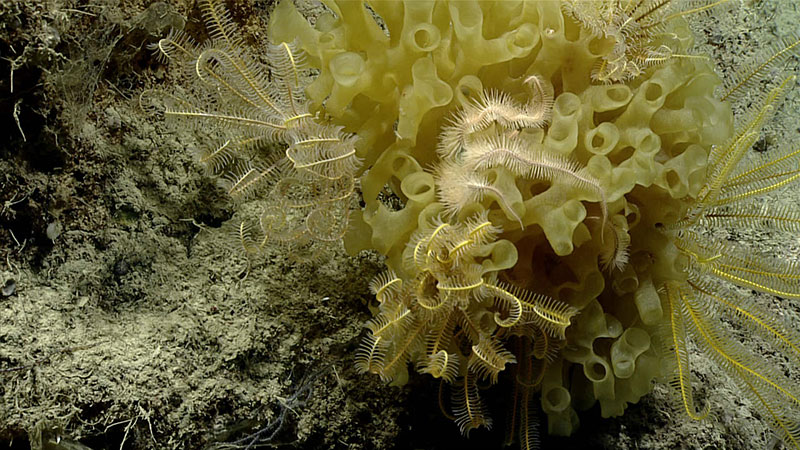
x,y
550,182
504,115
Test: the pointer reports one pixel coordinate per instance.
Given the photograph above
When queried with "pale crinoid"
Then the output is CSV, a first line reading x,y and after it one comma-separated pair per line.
x,y
245,109
635,31
491,134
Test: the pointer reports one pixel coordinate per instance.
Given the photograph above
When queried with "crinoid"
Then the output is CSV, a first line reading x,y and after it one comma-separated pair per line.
x,y
244,108
697,305
635,30
448,314
493,138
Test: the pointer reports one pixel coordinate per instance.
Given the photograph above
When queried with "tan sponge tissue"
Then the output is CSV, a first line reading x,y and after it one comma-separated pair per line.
x,y
648,140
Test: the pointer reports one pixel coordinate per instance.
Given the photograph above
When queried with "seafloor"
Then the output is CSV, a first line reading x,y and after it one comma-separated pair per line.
x,y
126,322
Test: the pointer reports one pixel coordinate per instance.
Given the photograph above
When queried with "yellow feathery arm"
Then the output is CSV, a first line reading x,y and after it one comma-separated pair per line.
x,y
550,315
724,160
766,386
756,319
679,354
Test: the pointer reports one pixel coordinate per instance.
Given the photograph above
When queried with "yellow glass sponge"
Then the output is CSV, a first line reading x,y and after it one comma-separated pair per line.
x,y
543,177
553,129
474,107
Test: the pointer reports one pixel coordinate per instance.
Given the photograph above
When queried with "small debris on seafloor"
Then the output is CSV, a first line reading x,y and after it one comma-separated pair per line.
x,y
9,288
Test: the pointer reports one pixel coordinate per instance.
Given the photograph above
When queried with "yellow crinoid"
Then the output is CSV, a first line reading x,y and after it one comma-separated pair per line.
x,y
448,314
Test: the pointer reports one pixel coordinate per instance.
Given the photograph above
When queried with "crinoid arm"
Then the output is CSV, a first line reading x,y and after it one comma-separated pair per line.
x,y
676,351
488,359
460,186
775,395
725,159
751,73
386,285
635,32
493,107
468,408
